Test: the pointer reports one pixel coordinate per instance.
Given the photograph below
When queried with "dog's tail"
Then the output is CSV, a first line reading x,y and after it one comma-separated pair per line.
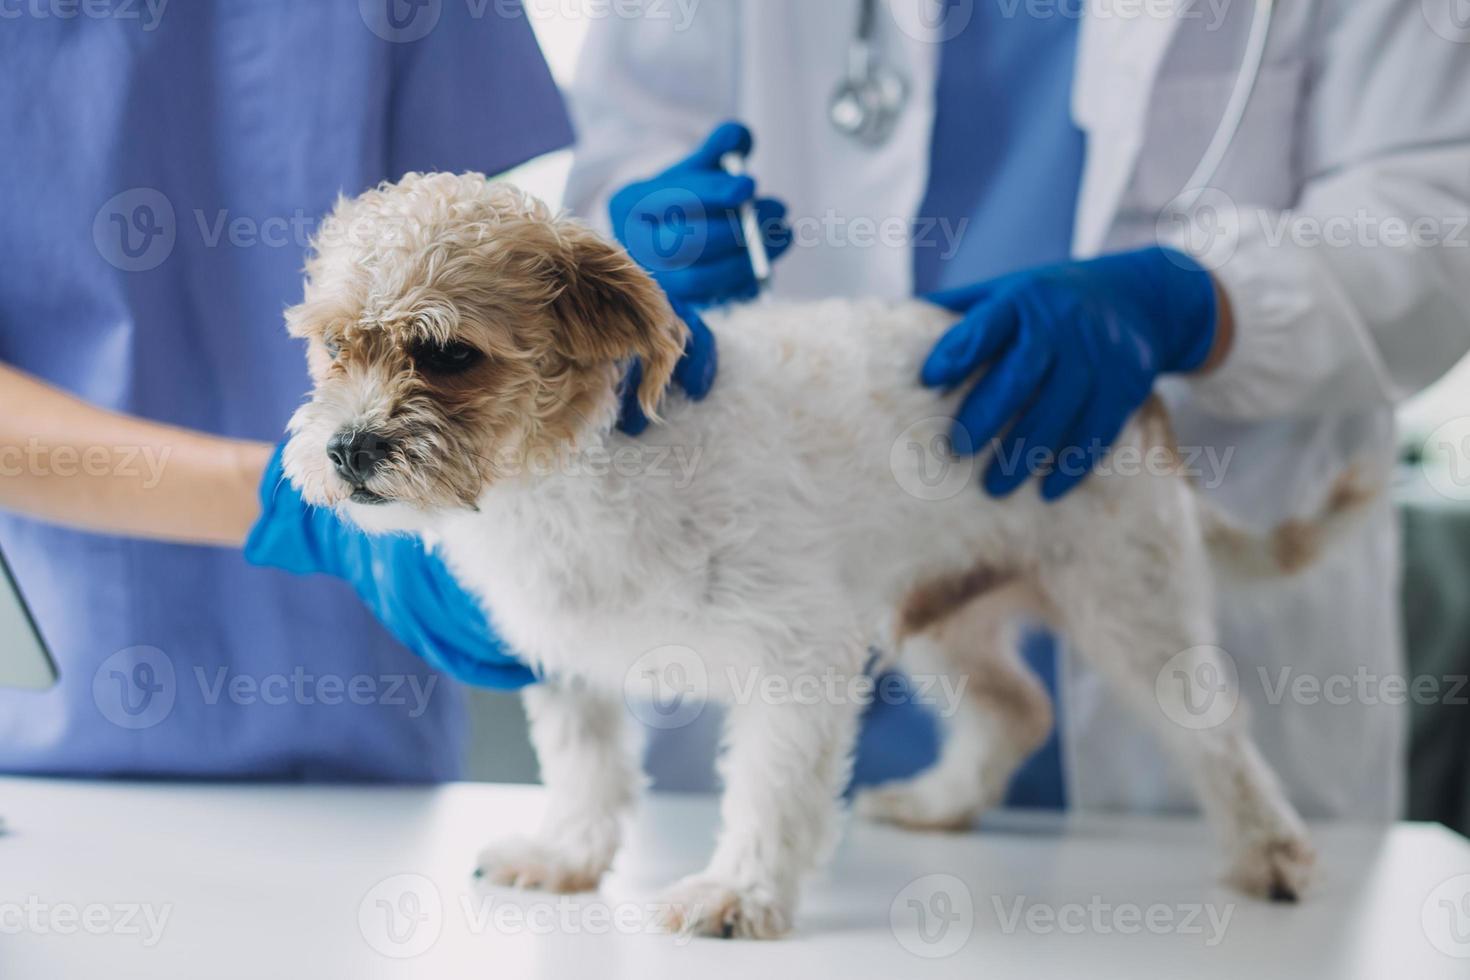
x,y
1243,556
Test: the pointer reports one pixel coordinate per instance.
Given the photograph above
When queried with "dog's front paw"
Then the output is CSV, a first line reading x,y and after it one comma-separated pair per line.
x,y
1276,868
525,862
705,906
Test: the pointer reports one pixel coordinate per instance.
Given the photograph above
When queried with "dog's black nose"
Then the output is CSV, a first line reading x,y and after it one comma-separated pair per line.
x,y
357,453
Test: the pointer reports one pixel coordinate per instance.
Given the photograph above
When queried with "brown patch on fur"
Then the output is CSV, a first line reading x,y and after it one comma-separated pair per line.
x,y
610,310
1351,490
556,311
933,600
1017,697
1296,544
977,638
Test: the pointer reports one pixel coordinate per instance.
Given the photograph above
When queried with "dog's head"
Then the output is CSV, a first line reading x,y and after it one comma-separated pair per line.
x,y
454,327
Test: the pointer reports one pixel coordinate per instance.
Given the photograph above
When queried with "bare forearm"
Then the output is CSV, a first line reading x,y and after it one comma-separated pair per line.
x,y
69,462
1224,331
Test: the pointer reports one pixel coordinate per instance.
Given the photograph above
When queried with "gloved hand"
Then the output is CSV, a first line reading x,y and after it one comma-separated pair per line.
x,y
406,587
683,225
695,372
1073,350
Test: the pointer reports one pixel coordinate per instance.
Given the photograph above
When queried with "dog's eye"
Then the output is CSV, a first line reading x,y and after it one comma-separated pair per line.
x,y
446,358
333,348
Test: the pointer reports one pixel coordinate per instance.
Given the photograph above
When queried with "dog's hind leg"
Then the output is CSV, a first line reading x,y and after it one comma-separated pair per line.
x,y
591,774
1000,713
1151,634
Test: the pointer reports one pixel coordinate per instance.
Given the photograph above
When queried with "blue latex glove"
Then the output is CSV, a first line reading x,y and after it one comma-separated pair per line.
x,y
405,586
695,372
683,225
1073,351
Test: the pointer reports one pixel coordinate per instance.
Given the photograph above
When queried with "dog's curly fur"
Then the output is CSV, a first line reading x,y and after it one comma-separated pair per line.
x,y
808,531
442,256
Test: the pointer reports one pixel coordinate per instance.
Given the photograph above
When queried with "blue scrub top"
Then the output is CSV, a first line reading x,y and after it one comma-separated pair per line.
x,y
159,178
1005,170
1006,161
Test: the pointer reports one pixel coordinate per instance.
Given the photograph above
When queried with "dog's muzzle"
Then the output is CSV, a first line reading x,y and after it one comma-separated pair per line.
x,y
357,454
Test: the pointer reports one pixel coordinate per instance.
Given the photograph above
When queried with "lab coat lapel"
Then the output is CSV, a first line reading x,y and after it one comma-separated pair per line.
x,y
1120,50
834,185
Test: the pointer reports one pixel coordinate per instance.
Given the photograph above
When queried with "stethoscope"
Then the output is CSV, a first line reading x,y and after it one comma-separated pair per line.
x,y
872,96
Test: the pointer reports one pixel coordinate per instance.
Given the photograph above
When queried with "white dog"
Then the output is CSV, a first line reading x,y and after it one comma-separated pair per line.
x,y
468,347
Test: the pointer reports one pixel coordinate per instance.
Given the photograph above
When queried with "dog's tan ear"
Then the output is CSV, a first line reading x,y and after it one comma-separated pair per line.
x,y
609,309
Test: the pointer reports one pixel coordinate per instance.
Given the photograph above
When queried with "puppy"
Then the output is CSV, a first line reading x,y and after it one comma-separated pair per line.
x,y
468,348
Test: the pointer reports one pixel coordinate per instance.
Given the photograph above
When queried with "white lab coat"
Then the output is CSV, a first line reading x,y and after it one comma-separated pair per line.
x,y
1360,107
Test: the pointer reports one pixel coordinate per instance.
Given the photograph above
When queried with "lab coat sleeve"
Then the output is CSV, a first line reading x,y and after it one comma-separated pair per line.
x,y
648,89
1360,295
